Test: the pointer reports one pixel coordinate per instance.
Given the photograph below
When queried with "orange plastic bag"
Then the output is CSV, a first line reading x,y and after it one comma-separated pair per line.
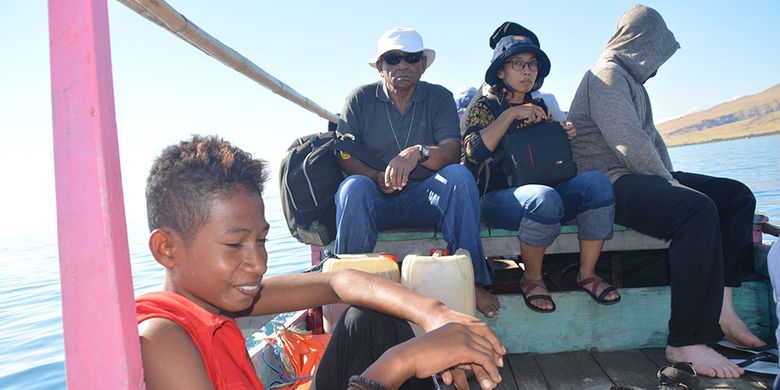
x,y
305,352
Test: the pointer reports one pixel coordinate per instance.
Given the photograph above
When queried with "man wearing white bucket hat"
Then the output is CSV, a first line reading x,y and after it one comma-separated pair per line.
x,y
412,126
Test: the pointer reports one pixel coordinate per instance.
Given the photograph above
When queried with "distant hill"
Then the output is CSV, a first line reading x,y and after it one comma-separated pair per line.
x,y
757,114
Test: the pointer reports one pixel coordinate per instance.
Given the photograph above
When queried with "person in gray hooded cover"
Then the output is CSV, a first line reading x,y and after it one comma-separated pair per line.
x,y
707,219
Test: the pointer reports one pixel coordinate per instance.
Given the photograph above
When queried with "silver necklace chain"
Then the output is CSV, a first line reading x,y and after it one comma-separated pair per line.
x,y
392,128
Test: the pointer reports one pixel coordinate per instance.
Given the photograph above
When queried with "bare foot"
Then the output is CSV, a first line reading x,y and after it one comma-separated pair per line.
x,y
706,361
487,303
736,331
733,327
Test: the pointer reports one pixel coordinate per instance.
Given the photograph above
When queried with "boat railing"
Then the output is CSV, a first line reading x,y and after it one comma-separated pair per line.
x,y
770,229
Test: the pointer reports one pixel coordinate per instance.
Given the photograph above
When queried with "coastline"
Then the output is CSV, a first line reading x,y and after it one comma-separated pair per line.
x,y
671,142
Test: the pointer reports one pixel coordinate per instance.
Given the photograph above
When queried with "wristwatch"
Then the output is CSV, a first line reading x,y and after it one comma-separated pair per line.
x,y
425,153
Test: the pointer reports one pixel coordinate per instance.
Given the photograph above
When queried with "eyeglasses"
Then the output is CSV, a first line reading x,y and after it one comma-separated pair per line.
x,y
519,65
395,59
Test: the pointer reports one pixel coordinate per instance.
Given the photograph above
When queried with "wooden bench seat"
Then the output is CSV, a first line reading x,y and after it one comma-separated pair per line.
x,y
500,242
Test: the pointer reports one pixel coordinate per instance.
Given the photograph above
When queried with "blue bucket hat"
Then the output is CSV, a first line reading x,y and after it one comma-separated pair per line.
x,y
512,45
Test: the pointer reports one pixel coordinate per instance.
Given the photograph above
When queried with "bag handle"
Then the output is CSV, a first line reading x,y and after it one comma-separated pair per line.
x,y
349,145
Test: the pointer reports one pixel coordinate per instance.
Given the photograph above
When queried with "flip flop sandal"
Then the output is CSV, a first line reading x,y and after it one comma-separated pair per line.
x,y
597,282
762,363
763,356
527,286
677,376
760,367
765,348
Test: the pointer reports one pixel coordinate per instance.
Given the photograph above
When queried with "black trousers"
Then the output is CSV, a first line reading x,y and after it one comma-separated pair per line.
x,y
359,338
708,221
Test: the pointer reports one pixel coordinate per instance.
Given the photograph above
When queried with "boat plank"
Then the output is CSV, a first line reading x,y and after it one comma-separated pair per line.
x,y
600,370
656,355
526,373
572,370
628,368
508,381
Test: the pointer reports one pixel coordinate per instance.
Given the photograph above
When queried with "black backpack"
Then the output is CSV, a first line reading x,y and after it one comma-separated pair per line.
x,y
309,177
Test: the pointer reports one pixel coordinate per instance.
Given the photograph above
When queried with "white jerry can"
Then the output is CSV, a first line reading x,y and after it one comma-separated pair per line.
x,y
449,279
373,263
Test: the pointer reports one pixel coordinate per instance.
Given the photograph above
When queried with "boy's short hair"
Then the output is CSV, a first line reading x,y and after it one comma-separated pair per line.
x,y
187,177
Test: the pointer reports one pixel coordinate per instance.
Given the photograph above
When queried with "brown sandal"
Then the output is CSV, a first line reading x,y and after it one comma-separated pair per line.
x,y
527,286
597,282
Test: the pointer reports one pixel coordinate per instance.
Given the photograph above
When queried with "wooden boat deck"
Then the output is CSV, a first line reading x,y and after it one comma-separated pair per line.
x,y
583,370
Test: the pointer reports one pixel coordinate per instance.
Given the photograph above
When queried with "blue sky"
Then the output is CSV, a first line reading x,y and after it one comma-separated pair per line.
x,y
166,90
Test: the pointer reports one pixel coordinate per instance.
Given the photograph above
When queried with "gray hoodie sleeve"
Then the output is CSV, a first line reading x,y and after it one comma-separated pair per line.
x,y
660,145
613,111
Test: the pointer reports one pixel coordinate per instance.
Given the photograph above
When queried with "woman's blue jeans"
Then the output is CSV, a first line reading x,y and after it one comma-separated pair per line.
x,y
449,197
536,211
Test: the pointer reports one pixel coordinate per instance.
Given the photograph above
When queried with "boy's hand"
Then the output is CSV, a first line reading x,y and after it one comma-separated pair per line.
x,y
448,350
454,346
443,315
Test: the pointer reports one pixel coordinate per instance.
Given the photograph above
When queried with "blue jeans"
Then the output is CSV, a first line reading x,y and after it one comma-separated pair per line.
x,y
536,211
449,198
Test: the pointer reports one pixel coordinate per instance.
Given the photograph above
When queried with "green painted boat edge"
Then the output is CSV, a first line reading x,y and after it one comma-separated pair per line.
x,y
638,321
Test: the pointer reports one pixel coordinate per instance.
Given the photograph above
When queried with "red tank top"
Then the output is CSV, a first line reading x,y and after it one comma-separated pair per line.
x,y
218,339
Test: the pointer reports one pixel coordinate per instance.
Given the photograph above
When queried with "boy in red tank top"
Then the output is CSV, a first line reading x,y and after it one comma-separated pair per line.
x,y
206,213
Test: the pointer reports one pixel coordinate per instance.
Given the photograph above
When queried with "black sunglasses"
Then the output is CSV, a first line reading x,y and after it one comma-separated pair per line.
x,y
395,59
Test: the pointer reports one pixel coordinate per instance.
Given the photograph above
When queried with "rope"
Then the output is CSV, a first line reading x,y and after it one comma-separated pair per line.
x,y
279,368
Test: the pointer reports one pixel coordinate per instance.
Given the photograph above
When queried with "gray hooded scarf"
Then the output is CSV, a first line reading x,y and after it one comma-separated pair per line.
x,y
611,109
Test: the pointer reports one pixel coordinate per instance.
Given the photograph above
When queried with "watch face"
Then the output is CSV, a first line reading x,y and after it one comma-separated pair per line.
x,y
425,152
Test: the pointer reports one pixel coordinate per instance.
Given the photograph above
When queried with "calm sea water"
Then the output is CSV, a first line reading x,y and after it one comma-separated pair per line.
x,y
31,344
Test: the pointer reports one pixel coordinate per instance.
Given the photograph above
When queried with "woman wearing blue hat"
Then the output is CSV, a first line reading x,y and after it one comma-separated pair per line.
x,y
518,67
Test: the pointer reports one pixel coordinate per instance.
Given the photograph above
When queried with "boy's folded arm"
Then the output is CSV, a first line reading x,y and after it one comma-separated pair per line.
x,y
301,291
170,358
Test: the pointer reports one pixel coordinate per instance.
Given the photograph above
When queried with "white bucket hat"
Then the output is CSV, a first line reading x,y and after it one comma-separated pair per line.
x,y
404,39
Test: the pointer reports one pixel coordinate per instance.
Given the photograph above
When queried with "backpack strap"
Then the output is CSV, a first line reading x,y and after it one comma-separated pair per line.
x,y
355,149
485,166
